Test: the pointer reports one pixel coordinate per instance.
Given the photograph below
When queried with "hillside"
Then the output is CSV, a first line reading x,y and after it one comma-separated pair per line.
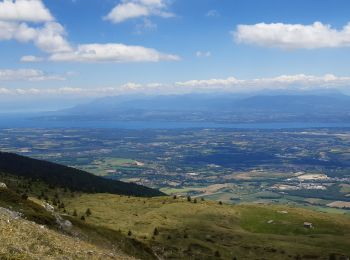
x,y
62,176
175,228
31,230
182,229
104,226
22,239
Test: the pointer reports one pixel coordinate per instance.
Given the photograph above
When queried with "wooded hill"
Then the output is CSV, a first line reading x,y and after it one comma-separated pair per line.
x,y
67,177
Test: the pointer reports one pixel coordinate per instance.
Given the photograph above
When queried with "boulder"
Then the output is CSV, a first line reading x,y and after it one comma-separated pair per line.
x,y
3,186
48,207
66,225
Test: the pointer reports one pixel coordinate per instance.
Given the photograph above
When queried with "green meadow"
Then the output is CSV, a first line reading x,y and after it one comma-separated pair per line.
x,y
178,228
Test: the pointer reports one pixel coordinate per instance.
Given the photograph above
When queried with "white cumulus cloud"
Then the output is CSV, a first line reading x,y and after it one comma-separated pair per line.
x,y
293,36
25,11
112,53
129,9
16,23
49,38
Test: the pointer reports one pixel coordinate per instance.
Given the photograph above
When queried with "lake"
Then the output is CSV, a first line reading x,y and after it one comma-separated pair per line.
x,y
14,121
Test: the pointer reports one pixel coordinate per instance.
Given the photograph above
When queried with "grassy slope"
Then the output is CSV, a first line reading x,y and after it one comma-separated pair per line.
x,y
199,230
21,239
25,239
32,211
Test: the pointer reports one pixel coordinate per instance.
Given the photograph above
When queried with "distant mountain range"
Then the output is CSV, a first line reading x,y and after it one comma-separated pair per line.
x,y
58,175
221,108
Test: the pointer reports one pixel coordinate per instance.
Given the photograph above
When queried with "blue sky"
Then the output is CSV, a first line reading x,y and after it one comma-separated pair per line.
x,y
191,45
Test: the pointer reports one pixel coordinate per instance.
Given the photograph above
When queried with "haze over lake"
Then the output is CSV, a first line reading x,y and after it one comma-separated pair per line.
x,y
29,122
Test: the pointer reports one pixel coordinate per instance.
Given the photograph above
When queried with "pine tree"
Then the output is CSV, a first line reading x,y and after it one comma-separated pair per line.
x,y
61,205
155,232
88,212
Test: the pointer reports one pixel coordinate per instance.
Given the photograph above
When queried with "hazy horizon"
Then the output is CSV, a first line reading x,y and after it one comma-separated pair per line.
x,y
57,55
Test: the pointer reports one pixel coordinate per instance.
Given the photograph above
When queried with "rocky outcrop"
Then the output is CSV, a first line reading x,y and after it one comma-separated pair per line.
x,y
10,214
23,239
63,224
48,207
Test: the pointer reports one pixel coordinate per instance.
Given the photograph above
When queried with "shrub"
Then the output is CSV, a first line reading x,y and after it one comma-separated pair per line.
x,y
88,212
332,257
155,232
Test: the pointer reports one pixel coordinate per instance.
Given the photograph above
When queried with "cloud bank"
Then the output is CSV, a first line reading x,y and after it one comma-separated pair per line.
x,y
299,82
293,36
